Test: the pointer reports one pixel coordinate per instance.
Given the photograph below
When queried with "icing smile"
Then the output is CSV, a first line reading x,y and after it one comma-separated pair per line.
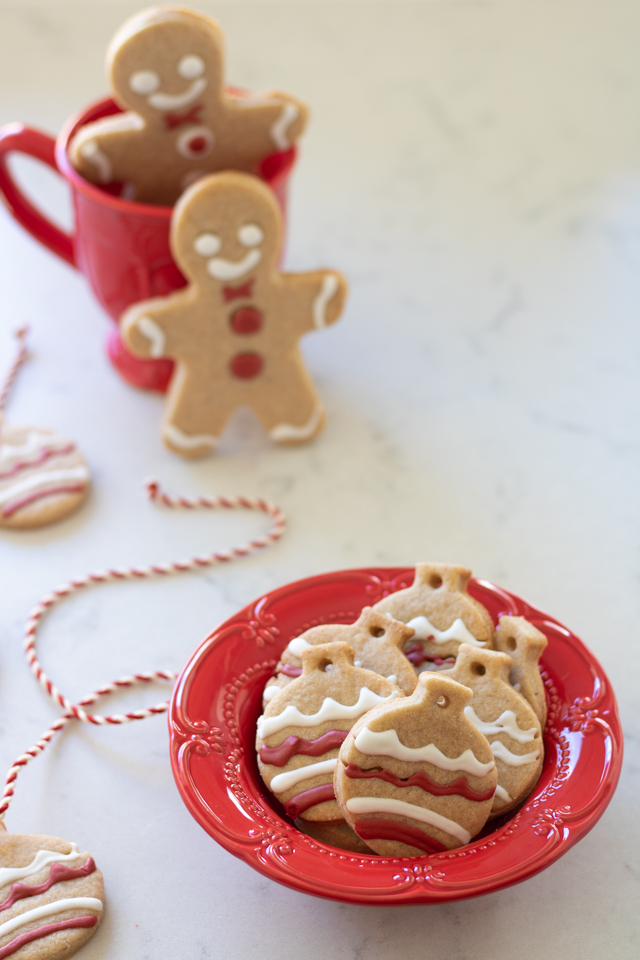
x,y
175,101
221,269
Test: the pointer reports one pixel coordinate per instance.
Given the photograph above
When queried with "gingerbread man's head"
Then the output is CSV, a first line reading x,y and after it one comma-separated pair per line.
x,y
225,229
165,61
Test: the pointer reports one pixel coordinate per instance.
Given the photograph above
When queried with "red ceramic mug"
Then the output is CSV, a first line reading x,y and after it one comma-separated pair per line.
x,y
121,246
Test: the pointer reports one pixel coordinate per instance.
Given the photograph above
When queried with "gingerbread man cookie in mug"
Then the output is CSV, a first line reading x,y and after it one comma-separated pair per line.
x,y
234,330
166,69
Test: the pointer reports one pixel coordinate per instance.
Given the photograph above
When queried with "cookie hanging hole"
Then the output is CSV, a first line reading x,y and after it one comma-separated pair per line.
x,y
443,701
325,665
479,669
377,631
511,643
435,581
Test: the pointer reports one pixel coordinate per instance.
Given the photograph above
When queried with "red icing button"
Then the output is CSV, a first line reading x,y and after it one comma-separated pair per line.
x,y
198,144
246,320
245,366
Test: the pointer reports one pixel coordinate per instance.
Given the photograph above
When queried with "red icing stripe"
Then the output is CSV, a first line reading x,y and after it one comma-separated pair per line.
x,y
374,829
309,798
290,671
417,656
14,945
459,787
58,873
46,454
39,494
280,755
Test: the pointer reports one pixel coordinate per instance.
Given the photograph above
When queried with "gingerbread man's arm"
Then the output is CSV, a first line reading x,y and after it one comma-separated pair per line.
x,y
152,328
96,148
275,120
313,300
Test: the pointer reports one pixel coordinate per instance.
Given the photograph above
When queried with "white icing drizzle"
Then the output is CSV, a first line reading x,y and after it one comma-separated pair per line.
x,y
175,101
330,710
386,743
48,909
270,693
9,452
186,442
425,630
326,293
221,269
279,128
150,329
297,645
404,809
392,678
91,151
502,794
501,752
43,479
287,431
42,859
505,723
284,781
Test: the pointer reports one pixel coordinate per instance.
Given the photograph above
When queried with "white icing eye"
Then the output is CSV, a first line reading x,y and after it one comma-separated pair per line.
x,y
191,67
207,244
144,81
250,235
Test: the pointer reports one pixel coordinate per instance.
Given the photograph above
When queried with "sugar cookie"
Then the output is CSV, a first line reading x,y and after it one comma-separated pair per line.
x,y
525,644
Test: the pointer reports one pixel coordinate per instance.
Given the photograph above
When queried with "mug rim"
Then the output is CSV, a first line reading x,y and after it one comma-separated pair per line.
x,y
107,106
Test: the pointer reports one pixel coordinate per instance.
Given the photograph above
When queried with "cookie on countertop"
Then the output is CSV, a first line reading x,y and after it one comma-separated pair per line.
x,y
525,644
415,776
166,70
51,897
442,614
303,726
234,330
507,721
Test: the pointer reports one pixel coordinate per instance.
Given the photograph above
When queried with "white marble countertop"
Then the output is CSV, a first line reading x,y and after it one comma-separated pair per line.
x,y
474,169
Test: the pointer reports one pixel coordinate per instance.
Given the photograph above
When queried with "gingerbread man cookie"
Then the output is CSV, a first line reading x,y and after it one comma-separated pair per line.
x,y
506,720
378,643
415,776
166,69
51,897
234,330
442,614
302,728
525,644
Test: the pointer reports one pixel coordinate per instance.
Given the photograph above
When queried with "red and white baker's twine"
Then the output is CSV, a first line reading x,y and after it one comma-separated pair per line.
x,y
77,711
21,354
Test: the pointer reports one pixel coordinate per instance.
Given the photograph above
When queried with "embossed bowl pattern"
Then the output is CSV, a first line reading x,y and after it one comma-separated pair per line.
x,y
212,723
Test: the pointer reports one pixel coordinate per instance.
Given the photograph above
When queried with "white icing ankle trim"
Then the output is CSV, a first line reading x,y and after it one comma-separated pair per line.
x,y
404,809
150,329
279,128
286,431
186,442
327,292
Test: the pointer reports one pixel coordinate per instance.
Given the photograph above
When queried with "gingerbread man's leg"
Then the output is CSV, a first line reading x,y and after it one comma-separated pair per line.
x,y
290,408
194,417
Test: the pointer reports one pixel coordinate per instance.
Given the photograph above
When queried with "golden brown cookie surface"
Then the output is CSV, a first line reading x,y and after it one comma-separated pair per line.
x,y
442,614
415,776
166,68
234,330
506,720
51,897
43,477
303,726
525,644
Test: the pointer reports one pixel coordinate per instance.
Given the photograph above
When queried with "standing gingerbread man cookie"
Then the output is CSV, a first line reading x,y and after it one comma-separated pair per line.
x,y
234,330
166,69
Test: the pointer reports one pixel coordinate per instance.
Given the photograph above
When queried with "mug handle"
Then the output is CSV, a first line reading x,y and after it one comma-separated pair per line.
x,y
17,138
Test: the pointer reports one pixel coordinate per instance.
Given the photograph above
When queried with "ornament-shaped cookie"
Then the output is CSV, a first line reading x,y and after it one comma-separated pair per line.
x,y
378,643
43,477
525,644
335,833
302,728
166,70
234,330
506,720
442,614
51,897
415,776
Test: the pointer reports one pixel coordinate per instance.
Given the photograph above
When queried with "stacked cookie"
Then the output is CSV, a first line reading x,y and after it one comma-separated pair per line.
x,y
403,733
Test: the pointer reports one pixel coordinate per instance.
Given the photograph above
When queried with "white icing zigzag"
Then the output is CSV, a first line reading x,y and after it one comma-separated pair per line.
x,y
505,723
424,630
330,710
387,744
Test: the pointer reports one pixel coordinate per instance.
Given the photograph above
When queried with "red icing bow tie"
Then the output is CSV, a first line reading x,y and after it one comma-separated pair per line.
x,y
233,293
178,119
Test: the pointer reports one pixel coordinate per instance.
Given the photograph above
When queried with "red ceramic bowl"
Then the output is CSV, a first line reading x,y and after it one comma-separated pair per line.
x,y
212,723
